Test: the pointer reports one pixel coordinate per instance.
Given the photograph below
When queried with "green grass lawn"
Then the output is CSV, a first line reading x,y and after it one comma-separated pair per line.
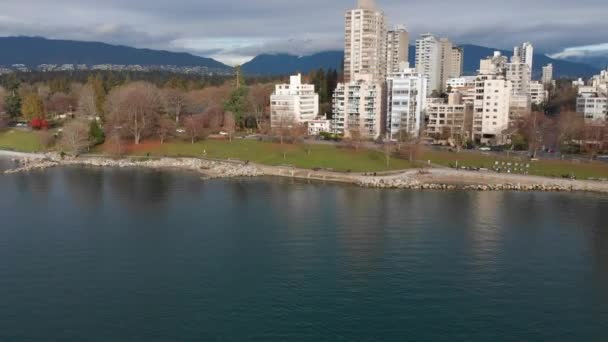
x,y
20,141
320,156
547,168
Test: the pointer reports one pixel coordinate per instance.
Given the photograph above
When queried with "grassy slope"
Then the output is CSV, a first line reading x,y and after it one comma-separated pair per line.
x,y
21,141
321,156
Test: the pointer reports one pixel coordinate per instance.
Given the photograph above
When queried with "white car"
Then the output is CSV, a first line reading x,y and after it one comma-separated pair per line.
x,y
485,149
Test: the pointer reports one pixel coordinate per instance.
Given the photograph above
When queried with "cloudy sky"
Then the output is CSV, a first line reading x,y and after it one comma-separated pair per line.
x,y
235,30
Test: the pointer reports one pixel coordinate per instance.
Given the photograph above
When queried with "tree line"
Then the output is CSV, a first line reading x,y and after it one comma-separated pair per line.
x,y
122,109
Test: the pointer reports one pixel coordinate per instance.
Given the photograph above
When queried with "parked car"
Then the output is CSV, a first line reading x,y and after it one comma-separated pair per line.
x,y
485,149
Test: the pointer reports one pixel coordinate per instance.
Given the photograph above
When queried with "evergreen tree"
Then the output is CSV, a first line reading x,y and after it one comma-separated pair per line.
x,y
237,103
12,104
97,83
96,134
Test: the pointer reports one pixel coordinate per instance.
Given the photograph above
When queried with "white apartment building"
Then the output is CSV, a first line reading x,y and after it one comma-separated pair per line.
x,y
428,61
547,78
593,108
601,80
491,108
525,53
365,42
449,119
438,60
406,102
520,75
357,105
538,94
592,100
294,103
397,48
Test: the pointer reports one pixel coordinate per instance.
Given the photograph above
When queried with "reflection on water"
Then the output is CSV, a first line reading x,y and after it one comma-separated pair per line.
x,y
147,255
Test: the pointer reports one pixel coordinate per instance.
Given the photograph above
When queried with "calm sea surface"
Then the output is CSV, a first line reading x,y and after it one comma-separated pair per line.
x,y
136,255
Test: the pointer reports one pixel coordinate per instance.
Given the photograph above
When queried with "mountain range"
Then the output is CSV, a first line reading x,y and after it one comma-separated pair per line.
x,y
279,64
34,51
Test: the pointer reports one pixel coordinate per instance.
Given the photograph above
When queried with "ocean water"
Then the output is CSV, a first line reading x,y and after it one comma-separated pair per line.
x,y
140,255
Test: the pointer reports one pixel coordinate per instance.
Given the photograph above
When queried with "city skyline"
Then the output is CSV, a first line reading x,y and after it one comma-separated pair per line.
x,y
237,31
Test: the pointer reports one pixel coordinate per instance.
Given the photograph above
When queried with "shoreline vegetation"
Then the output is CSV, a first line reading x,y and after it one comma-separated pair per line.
x,y
413,178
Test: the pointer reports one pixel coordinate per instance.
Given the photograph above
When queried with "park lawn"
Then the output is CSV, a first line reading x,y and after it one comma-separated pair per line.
x,y
320,156
464,158
546,168
20,141
579,169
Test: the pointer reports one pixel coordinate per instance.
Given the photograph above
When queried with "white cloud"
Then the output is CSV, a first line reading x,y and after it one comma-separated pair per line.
x,y
582,51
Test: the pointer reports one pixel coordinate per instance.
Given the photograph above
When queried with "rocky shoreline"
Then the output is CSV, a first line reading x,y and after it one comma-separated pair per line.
x,y
427,179
207,168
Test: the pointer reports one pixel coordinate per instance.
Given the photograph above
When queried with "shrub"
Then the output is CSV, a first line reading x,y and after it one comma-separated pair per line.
x,y
39,124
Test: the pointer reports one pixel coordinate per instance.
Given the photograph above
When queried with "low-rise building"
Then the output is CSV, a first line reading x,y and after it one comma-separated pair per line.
x,y
319,125
519,106
578,83
293,103
538,94
459,83
451,119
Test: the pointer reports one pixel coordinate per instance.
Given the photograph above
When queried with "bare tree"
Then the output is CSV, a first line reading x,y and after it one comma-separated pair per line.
x,y
45,138
297,133
536,129
60,103
134,109
388,149
195,127
166,128
282,127
174,102
86,102
229,125
570,126
258,98
594,136
214,117
199,101
44,91
411,149
4,121
115,145
355,137
75,136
